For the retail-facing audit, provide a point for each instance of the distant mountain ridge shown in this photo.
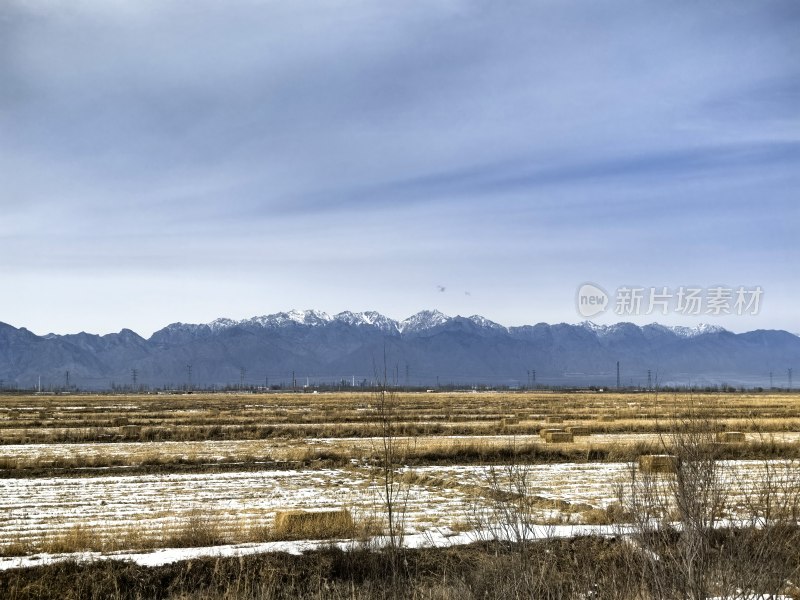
(421, 321)
(424, 349)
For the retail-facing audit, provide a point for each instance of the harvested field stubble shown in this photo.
(76, 418)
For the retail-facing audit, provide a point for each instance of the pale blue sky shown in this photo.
(185, 160)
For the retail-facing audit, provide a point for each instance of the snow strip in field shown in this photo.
(437, 538)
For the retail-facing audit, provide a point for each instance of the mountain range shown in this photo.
(428, 348)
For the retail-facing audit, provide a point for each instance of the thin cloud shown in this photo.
(539, 143)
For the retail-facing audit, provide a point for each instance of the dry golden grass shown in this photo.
(275, 428)
(260, 416)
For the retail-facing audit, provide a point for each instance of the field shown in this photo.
(91, 477)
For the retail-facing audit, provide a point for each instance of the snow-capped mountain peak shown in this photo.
(425, 319)
(700, 329)
(368, 318)
(221, 323)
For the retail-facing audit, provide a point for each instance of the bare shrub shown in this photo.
(694, 541)
(196, 530)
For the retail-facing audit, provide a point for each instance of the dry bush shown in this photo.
(614, 513)
(197, 529)
(686, 548)
(78, 538)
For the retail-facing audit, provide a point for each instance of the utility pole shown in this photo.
(294, 382)
(649, 381)
(770, 380)
(533, 377)
(790, 379)
(617, 374)
(529, 378)
(242, 371)
(189, 377)
(134, 377)
(66, 378)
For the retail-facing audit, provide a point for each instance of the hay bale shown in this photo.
(558, 437)
(579, 431)
(543, 432)
(730, 437)
(313, 525)
(554, 419)
(131, 431)
(509, 421)
(607, 417)
(658, 463)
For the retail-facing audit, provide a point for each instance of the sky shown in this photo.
(184, 160)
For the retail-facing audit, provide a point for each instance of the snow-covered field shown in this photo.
(32, 509)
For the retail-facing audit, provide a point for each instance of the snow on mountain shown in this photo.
(484, 322)
(301, 317)
(369, 318)
(423, 320)
(594, 327)
(681, 331)
(222, 323)
(701, 329)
